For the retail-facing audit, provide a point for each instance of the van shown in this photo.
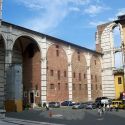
(118, 103)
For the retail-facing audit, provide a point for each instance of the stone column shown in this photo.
(69, 53)
(88, 57)
(43, 46)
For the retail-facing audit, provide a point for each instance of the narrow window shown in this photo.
(51, 72)
(119, 80)
(79, 76)
(91, 76)
(58, 74)
(74, 75)
(80, 86)
(84, 76)
(95, 62)
(78, 56)
(64, 73)
(95, 78)
(57, 52)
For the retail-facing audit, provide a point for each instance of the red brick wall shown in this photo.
(79, 66)
(57, 63)
(95, 67)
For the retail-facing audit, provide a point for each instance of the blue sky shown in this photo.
(71, 20)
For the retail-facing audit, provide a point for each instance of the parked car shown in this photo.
(78, 106)
(118, 103)
(90, 105)
(54, 104)
(67, 103)
(102, 100)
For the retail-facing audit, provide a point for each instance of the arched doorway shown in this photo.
(26, 73)
(2, 71)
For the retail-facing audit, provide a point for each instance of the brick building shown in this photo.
(37, 68)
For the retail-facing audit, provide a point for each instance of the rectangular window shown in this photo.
(84, 76)
(58, 74)
(51, 72)
(51, 86)
(80, 86)
(79, 76)
(57, 52)
(91, 76)
(119, 80)
(74, 75)
(95, 62)
(95, 78)
(64, 73)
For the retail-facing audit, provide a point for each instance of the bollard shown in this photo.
(50, 114)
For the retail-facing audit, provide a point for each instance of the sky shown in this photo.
(74, 21)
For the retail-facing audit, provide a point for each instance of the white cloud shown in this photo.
(51, 12)
(120, 12)
(95, 9)
(96, 23)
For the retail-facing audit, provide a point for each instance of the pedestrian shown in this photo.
(100, 111)
(47, 106)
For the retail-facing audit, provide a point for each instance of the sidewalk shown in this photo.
(13, 121)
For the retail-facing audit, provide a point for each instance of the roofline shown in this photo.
(48, 36)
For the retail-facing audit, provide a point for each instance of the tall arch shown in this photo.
(96, 80)
(57, 74)
(26, 71)
(79, 76)
(2, 71)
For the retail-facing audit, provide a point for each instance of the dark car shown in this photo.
(54, 104)
(67, 103)
(79, 106)
(90, 105)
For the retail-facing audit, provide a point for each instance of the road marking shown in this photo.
(100, 119)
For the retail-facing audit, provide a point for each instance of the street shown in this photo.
(68, 116)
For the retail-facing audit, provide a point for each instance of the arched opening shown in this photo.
(2, 71)
(96, 82)
(118, 64)
(57, 74)
(79, 77)
(25, 71)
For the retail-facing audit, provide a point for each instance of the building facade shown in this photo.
(37, 68)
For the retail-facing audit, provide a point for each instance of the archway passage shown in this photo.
(2, 71)
(26, 71)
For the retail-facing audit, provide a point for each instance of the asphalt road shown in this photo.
(68, 116)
